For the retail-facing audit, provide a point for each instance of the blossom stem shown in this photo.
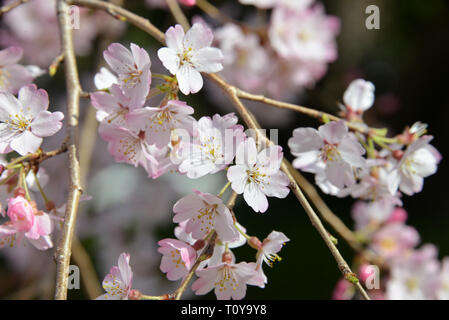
(145, 297)
(44, 196)
(247, 237)
(24, 183)
(223, 190)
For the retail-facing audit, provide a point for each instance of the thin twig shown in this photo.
(63, 250)
(11, 6)
(176, 11)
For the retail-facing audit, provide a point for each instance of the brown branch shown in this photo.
(176, 11)
(63, 250)
(11, 6)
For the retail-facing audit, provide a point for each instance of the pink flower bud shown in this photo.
(188, 3)
(364, 272)
(227, 257)
(255, 243)
(398, 215)
(21, 213)
(134, 294)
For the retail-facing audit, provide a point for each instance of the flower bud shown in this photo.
(227, 257)
(21, 213)
(19, 192)
(255, 243)
(134, 295)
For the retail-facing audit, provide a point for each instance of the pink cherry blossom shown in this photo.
(178, 257)
(228, 279)
(331, 147)
(415, 277)
(126, 145)
(306, 35)
(25, 121)
(186, 55)
(158, 123)
(12, 75)
(214, 146)
(419, 161)
(133, 70)
(113, 107)
(204, 213)
(26, 222)
(258, 175)
(394, 240)
(118, 282)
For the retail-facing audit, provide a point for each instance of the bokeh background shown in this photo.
(407, 60)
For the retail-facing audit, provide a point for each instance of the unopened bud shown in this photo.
(49, 205)
(255, 243)
(134, 294)
(227, 257)
(198, 245)
(19, 192)
(398, 154)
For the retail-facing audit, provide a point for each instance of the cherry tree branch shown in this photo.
(11, 6)
(176, 11)
(63, 250)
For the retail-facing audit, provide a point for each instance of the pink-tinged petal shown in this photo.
(306, 159)
(174, 38)
(43, 243)
(104, 101)
(333, 132)
(10, 56)
(224, 225)
(188, 3)
(16, 76)
(140, 56)
(119, 58)
(270, 159)
(360, 95)
(169, 59)
(274, 242)
(351, 151)
(206, 280)
(188, 255)
(42, 227)
(9, 106)
(255, 198)
(246, 153)
(6, 136)
(187, 207)
(138, 92)
(47, 123)
(305, 140)
(189, 79)
(394, 179)
(33, 100)
(208, 60)
(237, 176)
(198, 37)
(26, 143)
(125, 269)
(277, 185)
(104, 79)
(340, 174)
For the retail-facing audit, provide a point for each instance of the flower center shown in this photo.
(18, 122)
(227, 280)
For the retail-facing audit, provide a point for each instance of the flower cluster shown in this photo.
(377, 170)
(291, 55)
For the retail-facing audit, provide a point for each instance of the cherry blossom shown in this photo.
(419, 161)
(158, 123)
(25, 121)
(26, 221)
(331, 147)
(178, 257)
(414, 277)
(113, 107)
(204, 213)
(214, 146)
(118, 282)
(228, 279)
(186, 55)
(307, 35)
(258, 175)
(133, 69)
(12, 75)
(104, 79)
(126, 146)
(394, 240)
